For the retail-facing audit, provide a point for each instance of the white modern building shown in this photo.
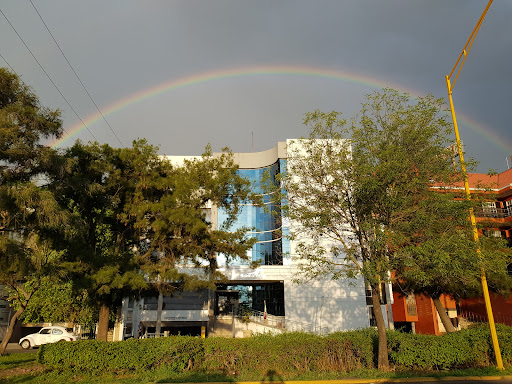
(267, 293)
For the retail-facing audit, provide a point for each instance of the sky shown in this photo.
(242, 74)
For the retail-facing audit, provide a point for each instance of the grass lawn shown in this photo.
(23, 368)
(15, 360)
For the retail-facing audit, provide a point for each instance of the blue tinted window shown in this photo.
(264, 223)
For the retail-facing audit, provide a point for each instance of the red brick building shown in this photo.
(496, 216)
(418, 314)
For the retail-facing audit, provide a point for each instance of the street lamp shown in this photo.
(463, 55)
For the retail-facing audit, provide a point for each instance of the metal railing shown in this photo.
(497, 213)
(477, 318)
(278, 322)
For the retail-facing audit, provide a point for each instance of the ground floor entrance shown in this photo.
(257, 296)
(147, 329)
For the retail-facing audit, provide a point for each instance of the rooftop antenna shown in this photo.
(252, 141)
(508, 166)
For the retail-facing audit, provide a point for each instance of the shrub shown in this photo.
(348, 351)
(179, 353)
(291, 353)
(288, 354)
(467, 348)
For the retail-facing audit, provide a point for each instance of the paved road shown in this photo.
(15, 348)
(458, 380)
(426, 380)
(430, 380)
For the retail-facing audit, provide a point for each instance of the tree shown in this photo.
(94, 183)
(171, 213)
(28, 211)
(179, 240)
(350, 187)
(139, 220)
(437, 255)
(59, 301)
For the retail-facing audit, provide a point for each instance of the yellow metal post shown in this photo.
(487, 299)
(463, 55)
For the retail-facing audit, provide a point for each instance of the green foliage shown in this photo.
(93, 184)
(169, 211)
(358, 185)
(436, 253)
(24, 123)
(29, 213)
(58, 302)
(111, 217)
(464, 349)
(177, 353)
(14, 360)
(137, 218)
(352, 189)
(288, 354)
(361, 345)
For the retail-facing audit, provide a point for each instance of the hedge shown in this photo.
(464, 349)
(178, 353)
(289, 353)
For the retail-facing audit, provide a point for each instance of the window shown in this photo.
(491, 233)
(489, 208)
(264, 221)
(45, 331)
(371, 316)
(508, 208)
(57, 332)
(410, 304)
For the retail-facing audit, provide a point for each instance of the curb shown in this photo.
(370, 381)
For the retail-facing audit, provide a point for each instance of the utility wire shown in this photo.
(83, 86)
(6, 62)
(46, 73)
(19, 77)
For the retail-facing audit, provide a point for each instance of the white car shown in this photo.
(47, 335)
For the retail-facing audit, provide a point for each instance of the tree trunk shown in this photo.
(445, 319)
(103, 322)
(10, 329)
(158, 328)
(383, 361)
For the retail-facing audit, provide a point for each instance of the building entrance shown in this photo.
(226, 301)
(253, 296)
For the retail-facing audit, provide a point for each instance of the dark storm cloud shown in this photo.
(122, 47)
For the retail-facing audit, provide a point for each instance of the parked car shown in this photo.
(47, 335)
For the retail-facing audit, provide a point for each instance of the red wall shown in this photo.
(501, 308)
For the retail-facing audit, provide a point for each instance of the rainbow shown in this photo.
(204, 77)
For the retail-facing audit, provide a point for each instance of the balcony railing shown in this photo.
(279, 322)
(497, 213)
(477, 318)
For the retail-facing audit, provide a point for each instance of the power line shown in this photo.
(83, 86)
(49, 78)
(19, 77)
(6, 62)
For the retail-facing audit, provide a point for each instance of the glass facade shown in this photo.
(264, 223)
(253, 296)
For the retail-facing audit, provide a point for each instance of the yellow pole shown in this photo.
(487, 299)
